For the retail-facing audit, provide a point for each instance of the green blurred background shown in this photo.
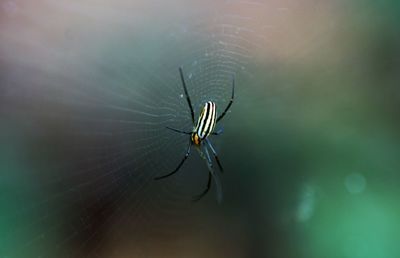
(311, 149)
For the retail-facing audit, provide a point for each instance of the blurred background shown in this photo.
(310, 148)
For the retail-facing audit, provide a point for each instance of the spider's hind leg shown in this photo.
(177, 131)
(220, 131)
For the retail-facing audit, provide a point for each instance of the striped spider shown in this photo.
(199, 137)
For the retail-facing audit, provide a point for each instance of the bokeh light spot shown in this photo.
(355, 183)
(305, 208)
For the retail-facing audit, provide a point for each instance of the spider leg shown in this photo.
(178, 131)
(198, 197)
(220, 131)
(186, 93)
(215, 154)
(230, 102)
(215, 176)
(180, 164)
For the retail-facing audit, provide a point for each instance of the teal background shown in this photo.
(310, 150)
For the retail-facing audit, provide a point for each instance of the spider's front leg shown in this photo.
(214, 175)
(180, 164)
(215, 154)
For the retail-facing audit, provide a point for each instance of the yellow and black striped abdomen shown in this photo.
(206, 123)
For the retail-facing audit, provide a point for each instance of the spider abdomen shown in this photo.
(206, 123)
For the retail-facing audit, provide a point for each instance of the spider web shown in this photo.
(91, 94)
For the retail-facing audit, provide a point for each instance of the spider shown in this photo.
(199, 137)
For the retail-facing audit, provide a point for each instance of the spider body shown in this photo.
(205, 124)
(199, 137)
